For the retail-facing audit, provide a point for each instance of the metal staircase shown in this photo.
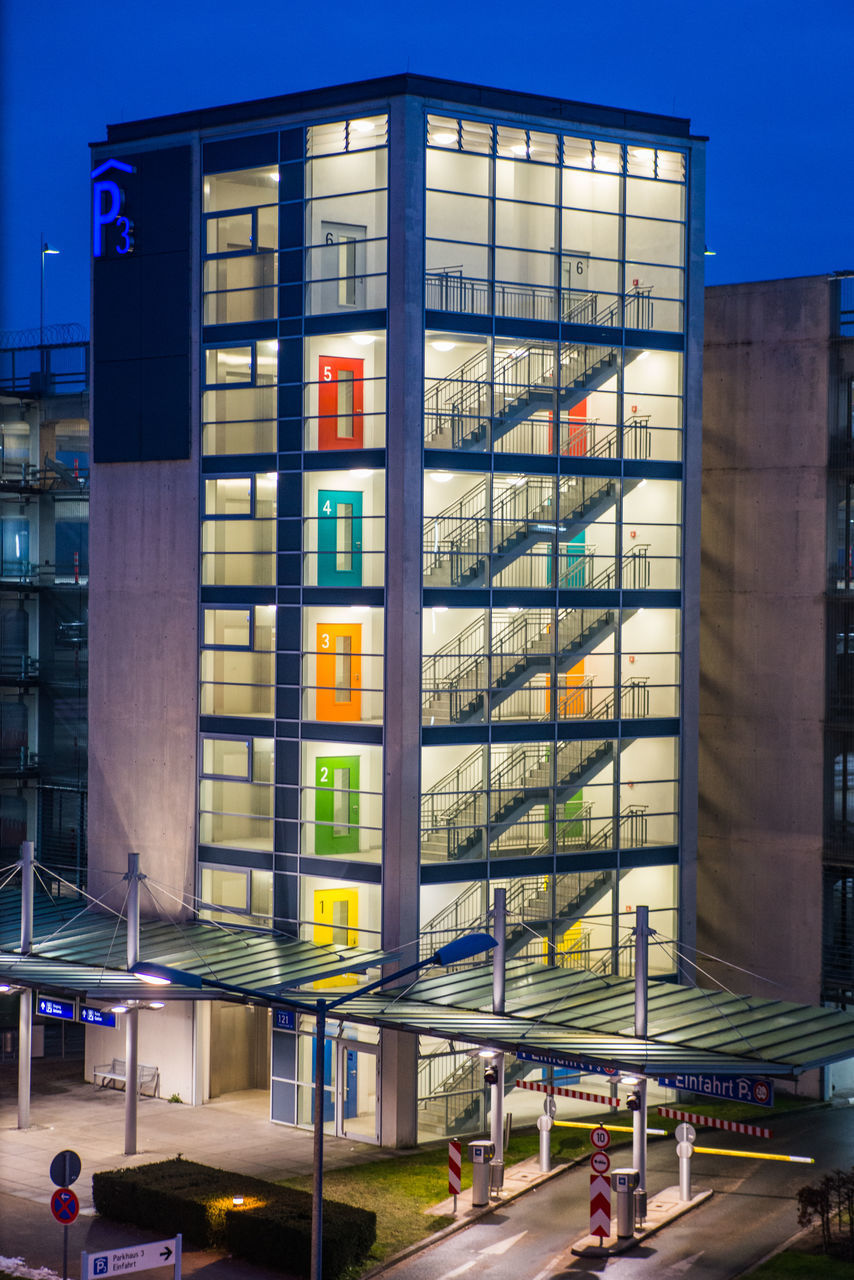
(468, 676)
(457, 541)
(458, 811)
(450, 1085)
(459, 409)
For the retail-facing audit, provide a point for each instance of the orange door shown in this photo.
(339, 671)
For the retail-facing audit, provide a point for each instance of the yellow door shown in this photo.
(336, 921)
(339, 671)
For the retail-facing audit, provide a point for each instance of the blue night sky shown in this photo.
(768, 82)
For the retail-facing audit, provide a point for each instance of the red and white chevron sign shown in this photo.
(604, 1099)
(712, 1122)
(600, 1205)
(455, 1165)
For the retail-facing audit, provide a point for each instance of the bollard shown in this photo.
(544, 1124)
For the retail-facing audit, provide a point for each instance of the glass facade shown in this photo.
(544, 559)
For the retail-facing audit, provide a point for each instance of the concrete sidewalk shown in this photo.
(234, 1132)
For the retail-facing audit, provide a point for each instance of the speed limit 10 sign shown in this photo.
(600, 1138)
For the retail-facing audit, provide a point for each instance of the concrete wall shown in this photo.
(143, 677)
(165, 1042)
(764, 545)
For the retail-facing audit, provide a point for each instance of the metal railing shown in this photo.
(19, 667)
(458, 539)
(456, 817)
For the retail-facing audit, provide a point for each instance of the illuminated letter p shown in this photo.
(100, 215)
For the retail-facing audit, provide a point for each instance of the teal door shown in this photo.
(339, 538)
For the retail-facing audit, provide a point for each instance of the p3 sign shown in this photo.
(112, 229)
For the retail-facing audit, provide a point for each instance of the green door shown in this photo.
(339, 538)
(336, 806)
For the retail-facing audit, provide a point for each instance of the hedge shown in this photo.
(273, 1225)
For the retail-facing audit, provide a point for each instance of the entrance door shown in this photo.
(339, 538)
(357, 1088)
(336, 921)
(340, 398)
(339, 671)
(336, 813)
(343, 266)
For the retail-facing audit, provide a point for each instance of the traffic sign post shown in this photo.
(136, 1257)
(65, 1207)
(65, 1168)
(600, 1137)
(455, 1170)
(600, 1185)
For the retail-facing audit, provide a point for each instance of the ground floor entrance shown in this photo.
(351, 1079)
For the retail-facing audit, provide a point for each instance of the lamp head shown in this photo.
(160, 975)
(471, 944)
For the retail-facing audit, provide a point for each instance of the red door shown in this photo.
(340, 402)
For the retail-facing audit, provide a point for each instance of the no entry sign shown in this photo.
(64, 1206)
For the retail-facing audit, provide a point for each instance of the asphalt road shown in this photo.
(752, 1211)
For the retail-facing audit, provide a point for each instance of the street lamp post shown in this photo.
(464, 948)
(45, 249)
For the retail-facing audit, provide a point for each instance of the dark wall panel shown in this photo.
(141, 368)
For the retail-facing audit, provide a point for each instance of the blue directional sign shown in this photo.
(55, 1008)
(97, 1017)
(752, 1089)
(560, 1060)
(284, 1019)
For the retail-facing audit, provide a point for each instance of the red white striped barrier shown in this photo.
(455, 1166)
(604, 1099)
(600, 1205)
(711, 1122)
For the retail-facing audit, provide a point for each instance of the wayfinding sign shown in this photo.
(136, 1257)
(751, 1089)
(55, 1008)
(562, 1060)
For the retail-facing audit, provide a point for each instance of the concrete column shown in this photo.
(691, 501)
(404, 502)
(25, 1008)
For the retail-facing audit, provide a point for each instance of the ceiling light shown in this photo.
(4, 987)
(156, 1004)
(629, 1080)
(361, 473)
(362, 126)
(362, 339)
(441, 477)
(519, 149)
(486, 1053)
(444, 139)
(118, 1008)
(442, 345)
(440, 608)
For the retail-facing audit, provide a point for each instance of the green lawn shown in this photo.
(807, 1266)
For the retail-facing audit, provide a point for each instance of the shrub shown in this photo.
(174, 1196)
